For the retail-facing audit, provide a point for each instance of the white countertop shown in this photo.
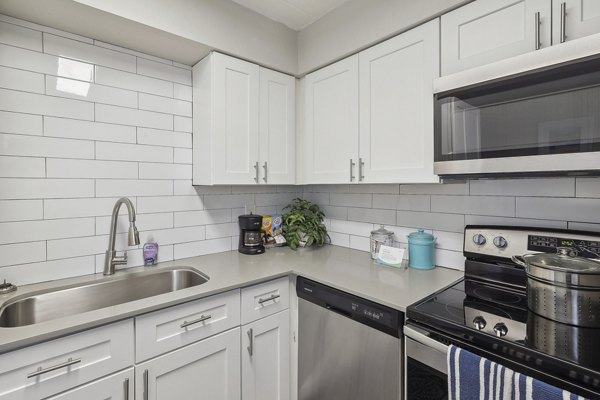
(345, 269)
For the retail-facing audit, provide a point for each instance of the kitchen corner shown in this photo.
(351, 271)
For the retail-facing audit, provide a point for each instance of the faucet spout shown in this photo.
(133, 237)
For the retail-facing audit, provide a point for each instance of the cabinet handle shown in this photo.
(265, 167)
(538, 21)
(251, 338)
(146, 384)
(126, 385)
(563, 22)
(271, 298)
(256, 172)
(352, 164)
(361, 165)
(201, 319)
(41, 371)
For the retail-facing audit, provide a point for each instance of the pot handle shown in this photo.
(519, 260)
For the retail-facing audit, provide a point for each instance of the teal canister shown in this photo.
(421, 250)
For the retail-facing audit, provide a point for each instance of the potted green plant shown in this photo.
(303, 224)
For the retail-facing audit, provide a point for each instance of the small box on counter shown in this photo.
(272, 227)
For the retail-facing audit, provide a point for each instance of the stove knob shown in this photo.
(500, 242)
(479, 323)
(479, 239)
(500, 329)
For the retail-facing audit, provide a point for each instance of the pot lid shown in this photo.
(382, 231)
(421, 235)
(566, 260)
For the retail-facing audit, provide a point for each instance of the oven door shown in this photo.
(426, 369)
(537, 123)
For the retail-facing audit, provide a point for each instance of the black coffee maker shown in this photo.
(250, 237)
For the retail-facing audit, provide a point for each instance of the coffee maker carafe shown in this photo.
(250, 237)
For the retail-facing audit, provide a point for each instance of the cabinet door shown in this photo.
(277, 128)
(485, 31)
(235, 120)
(331, 131)
(115, 387)
(580, 18)
(266, 358)
(396, 107)
(209, 369)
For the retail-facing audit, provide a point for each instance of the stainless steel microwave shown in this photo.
(536, 123)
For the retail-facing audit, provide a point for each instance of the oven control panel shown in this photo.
(577, 247)
(505, 242)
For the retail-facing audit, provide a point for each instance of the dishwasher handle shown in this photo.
(338, 311)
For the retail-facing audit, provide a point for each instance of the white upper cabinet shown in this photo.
(485, 31)
(396, 107)
(277, 126)
(331, 127)
(573, 19)
(228, 98)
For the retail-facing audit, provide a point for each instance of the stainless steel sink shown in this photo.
(48, 305)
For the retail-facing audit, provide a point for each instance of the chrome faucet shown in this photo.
(133, 237)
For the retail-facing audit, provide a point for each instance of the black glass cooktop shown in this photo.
(496, 320)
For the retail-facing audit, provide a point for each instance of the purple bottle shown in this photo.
(150, 252)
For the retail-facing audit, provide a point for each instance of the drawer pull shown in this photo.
(201, 319)
(271, 298)
(41, 371)
(250, 347)
(145, 389)
(126, 387)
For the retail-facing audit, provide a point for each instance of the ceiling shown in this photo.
(296, 14)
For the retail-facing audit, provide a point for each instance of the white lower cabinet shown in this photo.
(209, 369)
(266, 358)
(114, 387)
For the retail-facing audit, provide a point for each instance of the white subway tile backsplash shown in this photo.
(127, 80)
(478, 205)
(191, 218)
(182, 124)
(448, 240)
(588, 187)
(182, 156)
(339, 239)
(48, 270)
(17, 79)
(144, 222)
(30, 231)
(274, 199)
(130, 187)
(228, 201)
(359, 243)
(364, 200)
(75, 247)
(34, 61)
(25, 124)
(552, 187)
(336, 212)
(76, 129)
(32, 103)
(176, 235)
(569, 209)
(133, 152)
(194, 249)
(73, 89)
(160, 137)
(436, 188)
(19, 36)
(165, 171)
(86, 52)
(222, 230)
(450, 259)
(21, 210)
(39, 146)
(435, 221)
(183, 92)
(42, 28)
(64, 168)
(402, 202)
(12, 188)
(372, 215)
(169, 203)
(73, 208)
(162, 71)
(166, 105)
(22, 167)
(375, 188)
(130, 116)
(22, 253)
(351, 227)
(129, 51)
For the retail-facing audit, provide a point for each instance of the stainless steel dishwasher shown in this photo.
(349, 348)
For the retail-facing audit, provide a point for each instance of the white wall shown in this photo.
(83, 123)
(358, 24)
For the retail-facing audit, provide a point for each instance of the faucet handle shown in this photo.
(120, 260)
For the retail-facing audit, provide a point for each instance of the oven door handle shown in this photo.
(419, 336)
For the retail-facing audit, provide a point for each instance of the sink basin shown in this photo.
(61, 302)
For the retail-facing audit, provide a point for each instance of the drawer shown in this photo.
(264, 299)
(48, 368)
(165, 330)
(114, 387)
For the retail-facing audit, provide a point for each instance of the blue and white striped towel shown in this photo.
(471, 377)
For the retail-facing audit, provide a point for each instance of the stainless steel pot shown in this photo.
(563, 287)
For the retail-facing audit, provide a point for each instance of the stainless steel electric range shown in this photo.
(487, 314)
